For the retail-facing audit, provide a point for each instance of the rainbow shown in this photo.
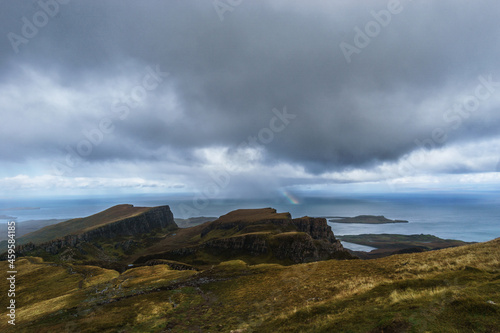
(293, 200)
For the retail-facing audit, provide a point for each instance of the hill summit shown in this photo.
(86, 238)
(81, 225)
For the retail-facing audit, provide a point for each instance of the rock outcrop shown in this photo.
(259, 235)
(153, 219)
(253, 244)
(262, 232)
(317, 228)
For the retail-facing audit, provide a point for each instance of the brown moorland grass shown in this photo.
(450, 290)
(253, 215)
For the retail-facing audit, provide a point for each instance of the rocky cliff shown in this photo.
(264, 233)
(257, 235)
(317, 228)
(153, 219)
(256, 220)
(291, 247)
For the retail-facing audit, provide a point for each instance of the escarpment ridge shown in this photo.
(257, 235)
(117, 221)
(125, 235)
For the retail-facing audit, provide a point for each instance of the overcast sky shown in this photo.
(248, 98)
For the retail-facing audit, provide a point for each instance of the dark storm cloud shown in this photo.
(226, 76)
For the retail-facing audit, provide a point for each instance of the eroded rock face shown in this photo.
(301, 248)
(262, 233)
(156, 218)
(317, 228)
(288, 240)
(253, 244)
(300, 240)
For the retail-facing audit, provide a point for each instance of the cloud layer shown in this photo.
(174, 92)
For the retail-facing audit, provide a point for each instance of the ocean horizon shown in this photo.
(472, 218)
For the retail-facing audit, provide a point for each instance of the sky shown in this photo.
(239, 98)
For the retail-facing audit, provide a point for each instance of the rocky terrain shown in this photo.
(260, 234)
(126, 235)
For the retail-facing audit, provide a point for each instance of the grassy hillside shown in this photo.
(387, 244)
(396, 241)
(79, 225)
(450, 290)
(193, 221)
(25, 227)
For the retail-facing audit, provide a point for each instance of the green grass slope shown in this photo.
(396, 241)
(25, 227)
(388, 244)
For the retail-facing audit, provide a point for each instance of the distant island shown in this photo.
(20, 208)
(366, 219)
(389, 244)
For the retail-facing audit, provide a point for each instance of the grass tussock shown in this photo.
(411, 295)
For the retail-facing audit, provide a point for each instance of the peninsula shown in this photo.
(366, 219)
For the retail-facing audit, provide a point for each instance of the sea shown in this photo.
(471, 217)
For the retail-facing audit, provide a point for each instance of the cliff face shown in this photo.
(287, 240)
(260, 234)
(317, 228)
(295, 247)
(252, 244)
(83, 224)
(301, 247)
(155, 218)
